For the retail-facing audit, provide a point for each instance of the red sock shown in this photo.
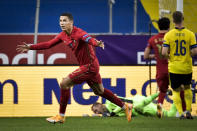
(183, 101)
(161, 97)
(107, 94)
(64, 97)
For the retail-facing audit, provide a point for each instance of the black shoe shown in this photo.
(189, 116)
(182, 117)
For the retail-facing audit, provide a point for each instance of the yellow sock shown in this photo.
(177, 101)
(188, 99)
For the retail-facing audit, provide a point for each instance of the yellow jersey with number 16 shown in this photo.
(180, 42)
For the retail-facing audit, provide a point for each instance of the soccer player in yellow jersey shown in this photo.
(179, 45)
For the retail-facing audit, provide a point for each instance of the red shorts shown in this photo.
(162, 81)
(87, 74)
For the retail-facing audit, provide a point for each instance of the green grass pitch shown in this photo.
(98, 124)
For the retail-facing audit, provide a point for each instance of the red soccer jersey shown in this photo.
(155, 43)
(79, 41)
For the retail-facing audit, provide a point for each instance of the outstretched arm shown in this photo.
(100, 43)
(23, 48)
(92, 41)
(40, 46)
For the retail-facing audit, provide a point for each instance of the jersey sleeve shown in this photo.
(117, 109)
(46, 45)
(108, 106)
(166, 42)
(193, 41)
(149, 45)
(87, 38)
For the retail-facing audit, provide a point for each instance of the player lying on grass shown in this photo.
(141, 106)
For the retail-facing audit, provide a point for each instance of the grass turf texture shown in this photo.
(98, 124)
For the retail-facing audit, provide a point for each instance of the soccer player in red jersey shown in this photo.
(162, 75)
(82, 45)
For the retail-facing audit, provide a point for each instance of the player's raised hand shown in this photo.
(23, 47)
(100, 44)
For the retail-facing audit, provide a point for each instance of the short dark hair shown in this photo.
(69, 15)
(177, 17)
(164, 23)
